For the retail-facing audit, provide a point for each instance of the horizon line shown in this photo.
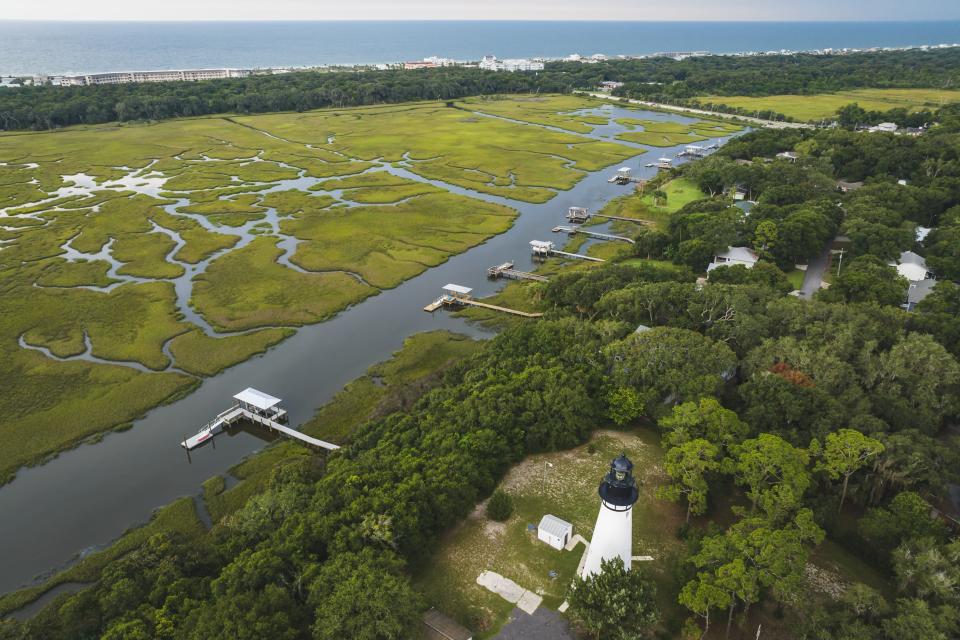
(441, 20)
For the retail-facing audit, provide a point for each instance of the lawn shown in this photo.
(795, 277)
(825, 105)
(679, 191)
(567, 489)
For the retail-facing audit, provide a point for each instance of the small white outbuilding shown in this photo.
(554, 531)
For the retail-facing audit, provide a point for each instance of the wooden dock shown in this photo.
(636, 220)
(290, 433)
(452, 301)
(578, 256)
(592, 234)
(256, 407)
(545, 249)
(516, 312)
(506, 270)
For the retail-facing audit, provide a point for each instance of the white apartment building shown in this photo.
(125, 77)
(491, 63)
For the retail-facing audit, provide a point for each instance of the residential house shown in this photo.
(912, 266)
(847, 187)
(734, 256)
(918, 291)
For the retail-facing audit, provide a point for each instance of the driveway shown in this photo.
(814, 274)
(544, 624)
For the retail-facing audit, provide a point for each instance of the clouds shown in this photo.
(484, 10)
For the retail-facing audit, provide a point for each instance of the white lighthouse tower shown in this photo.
(613, 533)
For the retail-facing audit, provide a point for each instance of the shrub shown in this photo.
(500, 506)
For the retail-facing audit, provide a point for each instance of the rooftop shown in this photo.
(739, 254)
(258, 399)
(456, 288)
(555, 526)
(919, 290)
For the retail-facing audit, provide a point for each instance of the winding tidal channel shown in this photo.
(86, 497)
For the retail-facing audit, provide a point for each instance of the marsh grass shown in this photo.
(197, 353)
(825, 105)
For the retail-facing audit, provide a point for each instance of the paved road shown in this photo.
(814, 275)
(544, 624)
(772, 124)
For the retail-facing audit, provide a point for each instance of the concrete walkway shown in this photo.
(510, 591)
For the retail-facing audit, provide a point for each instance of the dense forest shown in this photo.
(833, 417)
(803, 74)
(659, 79)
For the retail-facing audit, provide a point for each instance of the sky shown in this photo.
(482, 10)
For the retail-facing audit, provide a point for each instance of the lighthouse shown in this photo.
(613, 533)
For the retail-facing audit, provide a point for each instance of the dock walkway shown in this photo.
(625, 219)
(506, 270)
(235, 413)
(290, 433)
(592, 234)
(455, 302)
(515, 312)
(578, 256)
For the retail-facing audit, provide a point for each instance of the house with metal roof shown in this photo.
(917, 291)
(733, 256)
(912, 266)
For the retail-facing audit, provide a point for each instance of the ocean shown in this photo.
(88, 47)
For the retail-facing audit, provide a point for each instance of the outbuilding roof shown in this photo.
(258, 399)
(555, 526)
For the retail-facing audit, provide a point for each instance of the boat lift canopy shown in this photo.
(257, 399)
(457, 289)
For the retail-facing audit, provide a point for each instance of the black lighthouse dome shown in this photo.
(619, 488)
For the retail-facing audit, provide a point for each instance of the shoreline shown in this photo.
(386, 63)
